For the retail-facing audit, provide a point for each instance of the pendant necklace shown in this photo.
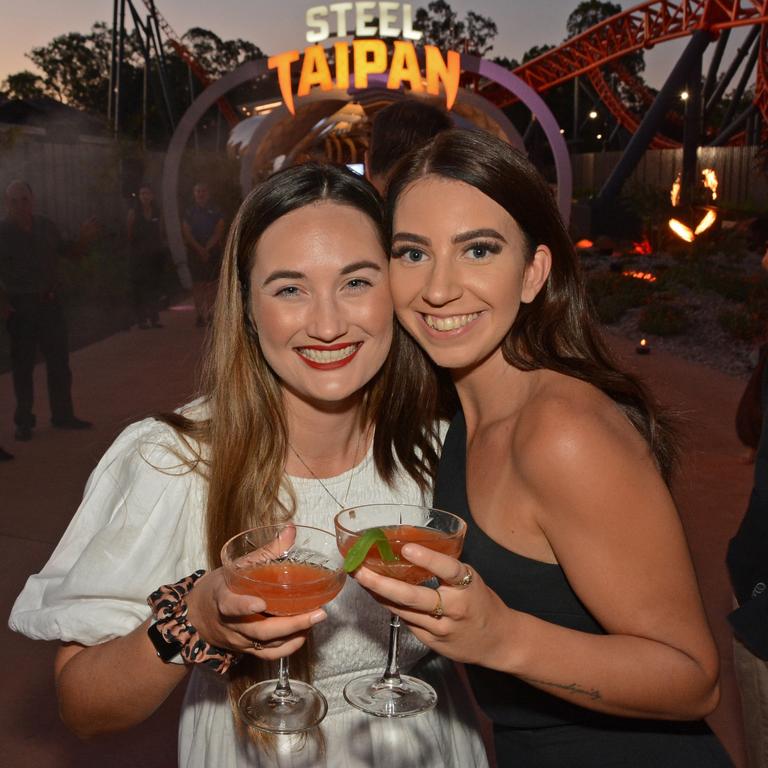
(324, 486)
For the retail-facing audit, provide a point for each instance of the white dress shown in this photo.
(139, 527)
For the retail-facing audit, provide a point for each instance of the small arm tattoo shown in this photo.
(592, 693)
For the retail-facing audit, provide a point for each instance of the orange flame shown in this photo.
(710, 217)
(681, 230)
(674, 193)
(647, 276)
(710, 181)
(584, 244)
(642, 248)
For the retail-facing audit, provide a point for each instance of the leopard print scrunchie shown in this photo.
(170, 608)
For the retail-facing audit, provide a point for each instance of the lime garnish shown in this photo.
(358, 551)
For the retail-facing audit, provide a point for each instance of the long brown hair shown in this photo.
(240, 446)
(557, 329)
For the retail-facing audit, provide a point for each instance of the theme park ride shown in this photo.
(600, 49)
(325, 96)
(149, 37)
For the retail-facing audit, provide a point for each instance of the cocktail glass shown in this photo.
(294, 569)
(393, 694)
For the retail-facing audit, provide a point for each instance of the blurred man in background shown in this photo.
(30, 249)
(203, 230)
(396, 130)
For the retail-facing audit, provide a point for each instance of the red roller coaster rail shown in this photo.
(635, 29)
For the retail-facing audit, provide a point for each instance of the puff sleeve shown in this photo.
(140, 525)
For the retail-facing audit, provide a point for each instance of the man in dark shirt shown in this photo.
(30, 248)
(203, 231)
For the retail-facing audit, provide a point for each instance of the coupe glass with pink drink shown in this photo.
(294, 569)
(393, 694)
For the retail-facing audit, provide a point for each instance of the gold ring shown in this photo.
(437, 611)
(258, 645)
(466, 579)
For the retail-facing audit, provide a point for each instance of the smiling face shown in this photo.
(459, 270)
(320, 302)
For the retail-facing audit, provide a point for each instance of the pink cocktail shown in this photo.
(294, 569)
(395, 525)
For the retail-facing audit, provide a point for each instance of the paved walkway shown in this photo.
(132, 374)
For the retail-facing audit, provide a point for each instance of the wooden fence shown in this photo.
(741, 182)
(75, 181)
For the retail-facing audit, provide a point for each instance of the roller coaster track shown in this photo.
(635, 29)
(616, 107)
(191, 61)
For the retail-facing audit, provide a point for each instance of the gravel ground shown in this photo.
(704, 341)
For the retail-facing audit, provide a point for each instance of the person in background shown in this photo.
(747, 561)
(30, 249)
(203, 231)
(145, 238)
(749, 411)
(396, 130)
(4, 309)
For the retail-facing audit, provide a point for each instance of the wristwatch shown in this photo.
(168, 651)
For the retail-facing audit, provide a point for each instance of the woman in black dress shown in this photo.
(576, 606)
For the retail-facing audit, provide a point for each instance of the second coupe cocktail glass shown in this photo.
(392, 694)
(294, 569)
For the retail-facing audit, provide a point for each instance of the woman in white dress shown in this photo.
(304, 361)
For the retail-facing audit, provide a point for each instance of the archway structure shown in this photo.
(254, 69)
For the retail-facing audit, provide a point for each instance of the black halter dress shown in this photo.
(533, 729)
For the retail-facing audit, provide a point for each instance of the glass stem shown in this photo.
(392, 672)
(283, 690)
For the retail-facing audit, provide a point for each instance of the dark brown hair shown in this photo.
(557, 329)
(401, 127)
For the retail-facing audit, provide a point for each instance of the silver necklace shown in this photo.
(324, 486)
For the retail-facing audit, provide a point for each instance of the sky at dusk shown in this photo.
(278, 26)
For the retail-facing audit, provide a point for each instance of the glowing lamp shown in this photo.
(643, 348)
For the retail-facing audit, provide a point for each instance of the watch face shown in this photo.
(165, 650)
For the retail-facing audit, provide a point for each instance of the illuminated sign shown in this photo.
(369, 57)
(390, 23)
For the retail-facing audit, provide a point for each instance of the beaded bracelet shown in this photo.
(169, 607)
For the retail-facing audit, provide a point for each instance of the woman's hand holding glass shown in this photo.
(459, 620)
(374, 535)
(237, 622)
(295, 569)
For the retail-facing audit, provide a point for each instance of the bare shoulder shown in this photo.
(573, 427)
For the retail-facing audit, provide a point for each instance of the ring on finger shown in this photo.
(466, 579)
(259, 646)
(437, 611)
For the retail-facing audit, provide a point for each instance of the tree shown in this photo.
(480, 31)
(24, 85)
(589, 13)
(217, 56)
(535, 52)
(75, 67)
(443, 28)
(75, 71)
